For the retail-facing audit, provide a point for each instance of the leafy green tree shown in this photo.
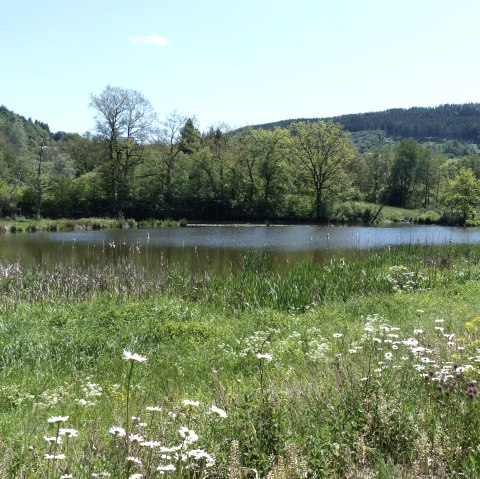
(219, 142)
(249, 152)
(125, 120)
(86, 152)
(17, 135)
(376, 172)
(404, 174)
(463, 195)
(430, 176)
(273, 171)
(322, 153)
(169, 159)
(190, 138)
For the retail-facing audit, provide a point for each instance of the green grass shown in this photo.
(45, 224)
(344, 395)
(389, 214)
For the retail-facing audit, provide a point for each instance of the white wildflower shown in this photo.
(55, 419)
(218, 411)
(200, 454)
(68, 432)
(133, 357)
(84, 402)
(54, 457)
(135, 438)
(266, 356)
(53, 439)
(189, 435)
(154, 408)
(117, 431)
(170, 449)
(151, 444)
(166, 468)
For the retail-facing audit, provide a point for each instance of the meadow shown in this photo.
(365, 366)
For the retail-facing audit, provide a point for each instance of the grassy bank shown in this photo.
(358, 368)
(44, 224)
(358, 212)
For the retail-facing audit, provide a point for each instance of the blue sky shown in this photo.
(243, 62)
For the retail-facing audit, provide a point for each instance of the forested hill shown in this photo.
(17, 131)
(445, 122)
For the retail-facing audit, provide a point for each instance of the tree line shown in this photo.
(137, 167)
(454, 122)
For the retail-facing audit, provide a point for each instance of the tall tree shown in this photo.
(125, 120)
(463, 195)
(190, 137)
(322, 152)
(404, 175)
(377, 169)
(168, 151)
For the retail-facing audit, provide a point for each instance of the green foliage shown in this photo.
(249, 174)
(403, 173)
(463, 196)
(322, 153)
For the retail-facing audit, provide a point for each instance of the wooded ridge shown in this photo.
(445, 122)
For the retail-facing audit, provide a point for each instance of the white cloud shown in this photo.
(155, 40)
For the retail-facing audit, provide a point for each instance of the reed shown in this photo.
(256, 283)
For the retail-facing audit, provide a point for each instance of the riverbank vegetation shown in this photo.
(349, 212)
(19, 225)
(365, 366)
(134, 166)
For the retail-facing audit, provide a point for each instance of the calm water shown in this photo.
(218, 248)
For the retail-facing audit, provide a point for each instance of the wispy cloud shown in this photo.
(155, 40)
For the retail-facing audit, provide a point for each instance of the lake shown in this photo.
(216, 248)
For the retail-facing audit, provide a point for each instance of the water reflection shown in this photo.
(215, 248)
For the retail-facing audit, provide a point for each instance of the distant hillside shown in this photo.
(445, 122)
(17, 131)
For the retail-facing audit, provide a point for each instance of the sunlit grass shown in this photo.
(21, 225)
(250, 374)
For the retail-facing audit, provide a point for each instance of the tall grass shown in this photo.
(255, 283)
(363, 367)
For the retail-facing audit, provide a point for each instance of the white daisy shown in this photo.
(133, 357)
(266, 356)
(55, 419)
(117, 431)
(218, 411)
